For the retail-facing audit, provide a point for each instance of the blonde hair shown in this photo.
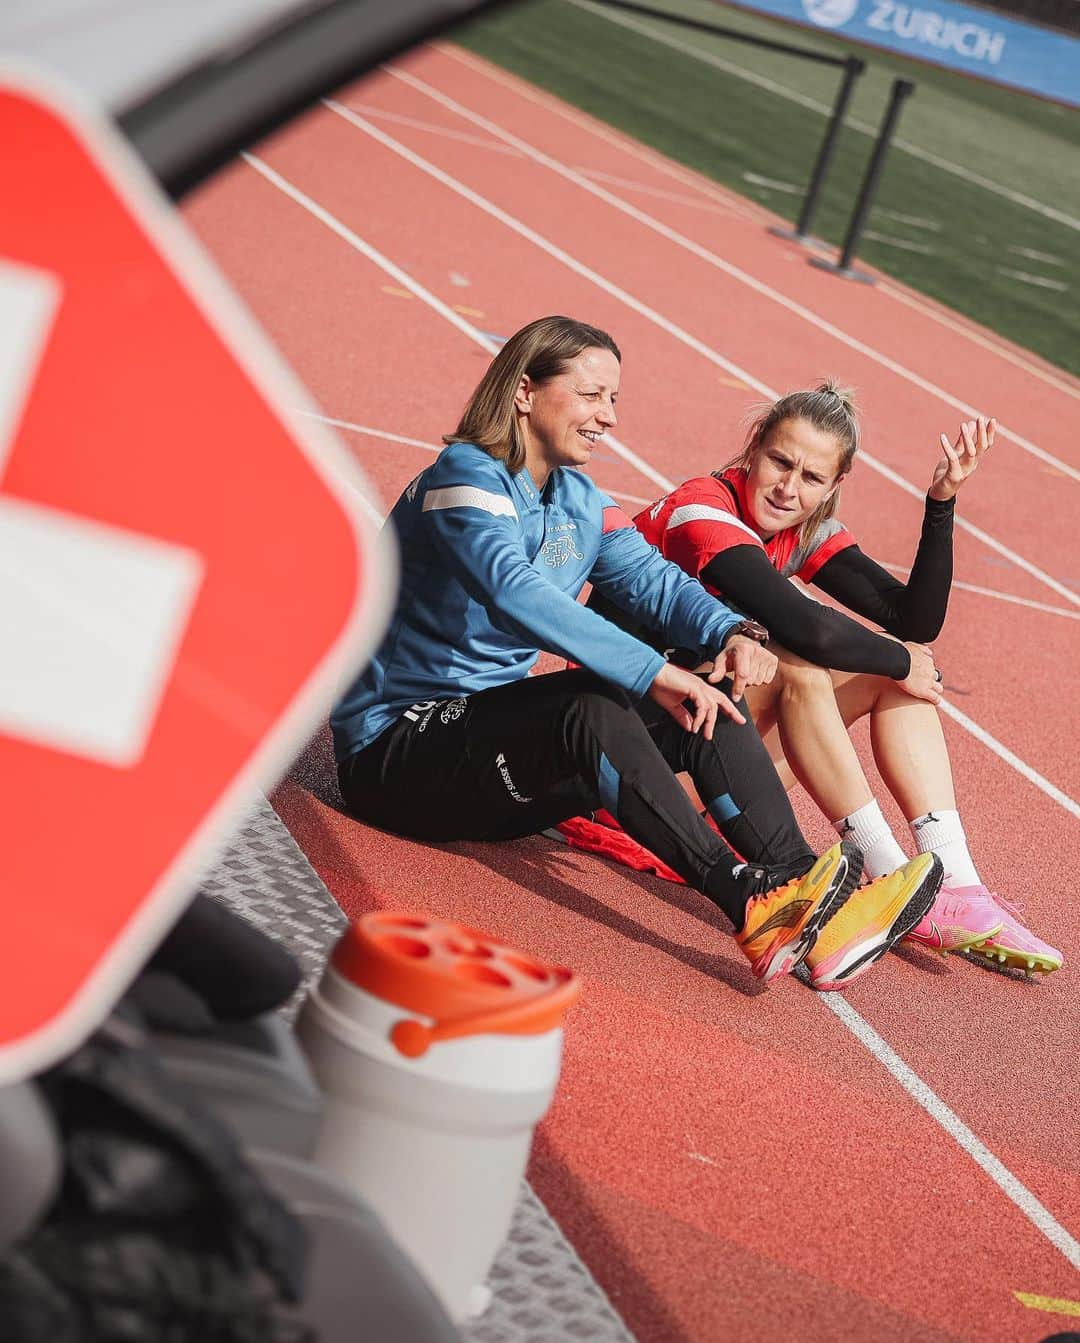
(830, 408)
(541, 351)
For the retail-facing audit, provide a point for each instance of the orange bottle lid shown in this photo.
(466, 981)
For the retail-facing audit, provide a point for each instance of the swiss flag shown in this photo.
(186, 574)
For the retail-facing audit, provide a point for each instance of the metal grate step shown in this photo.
(542, 1292)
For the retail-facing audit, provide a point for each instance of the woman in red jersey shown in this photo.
(768, 516)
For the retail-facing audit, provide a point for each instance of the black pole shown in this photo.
(901, 89)
(853, 68)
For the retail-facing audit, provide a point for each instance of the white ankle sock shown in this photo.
(942, 832)
(870, 831)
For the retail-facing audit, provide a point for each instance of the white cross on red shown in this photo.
(91, 615)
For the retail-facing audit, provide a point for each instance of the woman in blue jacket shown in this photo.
(446, 736)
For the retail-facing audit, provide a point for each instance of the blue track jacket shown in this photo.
(490, 572)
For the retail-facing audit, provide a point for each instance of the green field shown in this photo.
(753, 119)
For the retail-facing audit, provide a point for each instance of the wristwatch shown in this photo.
(749, 629)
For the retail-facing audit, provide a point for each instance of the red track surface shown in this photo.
(730, 1163)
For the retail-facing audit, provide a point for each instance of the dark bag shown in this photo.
(162, 1232)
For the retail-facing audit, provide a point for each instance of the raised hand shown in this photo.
(975, 439)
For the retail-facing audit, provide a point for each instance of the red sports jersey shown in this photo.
(708, 514)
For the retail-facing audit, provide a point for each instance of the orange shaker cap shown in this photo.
(469, 983)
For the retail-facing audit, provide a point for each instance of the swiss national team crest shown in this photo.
(561, 548)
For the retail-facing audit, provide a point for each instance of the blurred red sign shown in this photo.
(183, 576)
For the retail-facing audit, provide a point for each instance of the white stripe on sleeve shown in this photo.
(469, 496)
(704, 513)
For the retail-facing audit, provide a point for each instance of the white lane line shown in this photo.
(366, 429)
(711, 258)
(1037, 1213)
(463, 137)
(407, 282)
(373, 254)
(389, 437)
(993, 592)
(989, 541)
(707, 58)
(679, 199)
(750, 209)
(601, 130)
(435, 303)
(1028, 1204)
(980, 734)
(984, 341)
(670, 327)
(438, 447)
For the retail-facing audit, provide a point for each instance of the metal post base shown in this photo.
(803, 239)
(845, 272)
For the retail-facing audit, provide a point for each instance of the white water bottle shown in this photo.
(438, 1050)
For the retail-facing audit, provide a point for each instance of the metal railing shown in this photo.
(852, 66)
(902, 89)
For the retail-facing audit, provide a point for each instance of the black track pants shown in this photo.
(516, 759)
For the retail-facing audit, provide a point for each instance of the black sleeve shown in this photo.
(817, 633)
(914, 610)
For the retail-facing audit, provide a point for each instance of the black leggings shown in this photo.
(514, 760)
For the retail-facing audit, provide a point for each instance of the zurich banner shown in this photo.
(975, 41)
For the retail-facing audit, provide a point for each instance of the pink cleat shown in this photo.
(960, 919)
(1015, 945)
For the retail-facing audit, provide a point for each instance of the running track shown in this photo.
(730, 1163)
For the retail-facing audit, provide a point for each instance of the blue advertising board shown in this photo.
(962, 37)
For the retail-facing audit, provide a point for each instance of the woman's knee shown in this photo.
(798, 679)
(861, 693)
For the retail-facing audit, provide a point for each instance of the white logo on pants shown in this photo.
(500, 764)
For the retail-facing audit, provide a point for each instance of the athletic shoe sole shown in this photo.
(867, 955)
(1010, 958)
(824, 903)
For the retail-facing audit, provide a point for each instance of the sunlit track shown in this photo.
(672, 329)
(1032, 1210)
(1031, 1206)
(718, 195)
(1051, 790)
(713, 192)
(1006, 1181)
(711, 258)
(443, 309)
(1055, 380)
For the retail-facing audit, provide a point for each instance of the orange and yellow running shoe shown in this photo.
(872, 920)
(784, 913)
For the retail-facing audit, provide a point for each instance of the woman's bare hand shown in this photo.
(923, 681)
(973, 442)
(692, 702)
(747, 663)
